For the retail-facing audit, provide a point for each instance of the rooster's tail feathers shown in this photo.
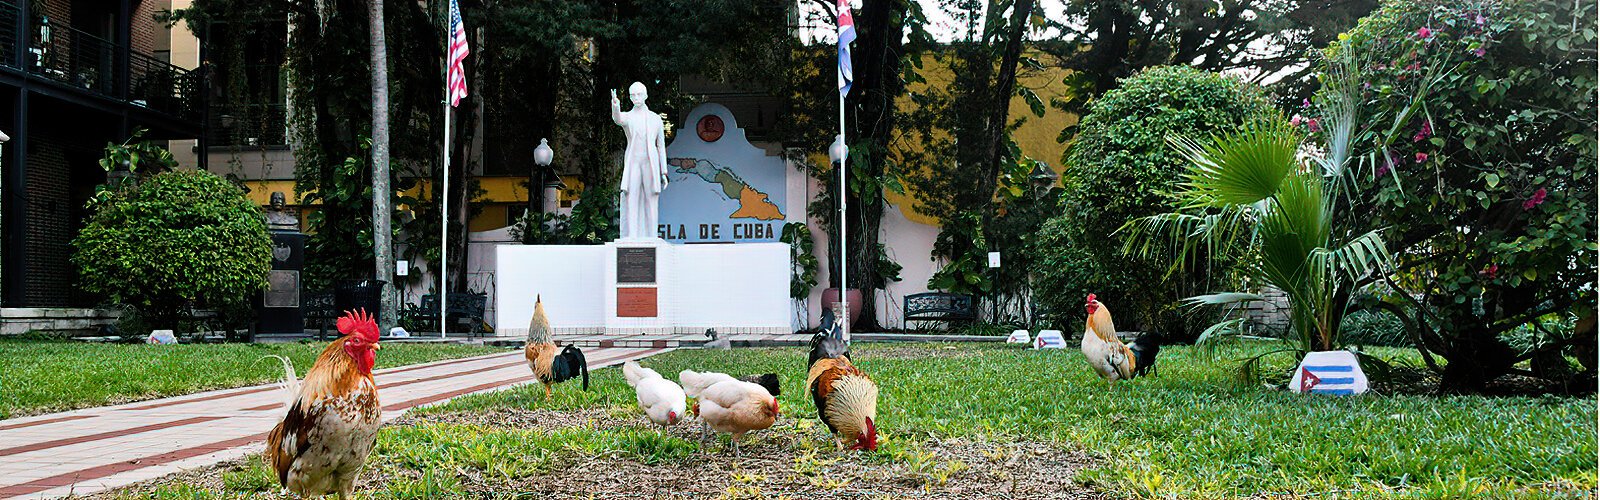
(291, 386)
(583, 363)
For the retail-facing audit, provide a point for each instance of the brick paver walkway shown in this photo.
(86, 451)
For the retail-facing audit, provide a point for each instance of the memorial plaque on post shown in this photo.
(636, 265)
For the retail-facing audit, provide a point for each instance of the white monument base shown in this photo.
(742, 288)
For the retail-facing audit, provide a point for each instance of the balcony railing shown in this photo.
(98, 66)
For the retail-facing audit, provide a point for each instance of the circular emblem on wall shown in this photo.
(709, 128)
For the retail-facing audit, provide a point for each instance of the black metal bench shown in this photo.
(318, 308)
(936, 306)
(464, 311)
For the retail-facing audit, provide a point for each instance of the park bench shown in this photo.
(318, 309)
(938, 306)
(464, 311)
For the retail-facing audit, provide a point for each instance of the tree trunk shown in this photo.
(1475, 359)
(1000, 101)
(383, 251)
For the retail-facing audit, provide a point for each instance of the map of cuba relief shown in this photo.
(721, 188)
(754, 216)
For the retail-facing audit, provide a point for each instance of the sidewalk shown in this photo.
(90, 450)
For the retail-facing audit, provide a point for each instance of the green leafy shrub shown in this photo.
(1373, 328)
(1490, 196)
(1119, 168)
(174, 239)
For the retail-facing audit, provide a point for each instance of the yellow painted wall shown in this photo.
(502, 195)
(1036, 137)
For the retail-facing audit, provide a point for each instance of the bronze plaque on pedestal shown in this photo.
(636, 302)
(636, 265)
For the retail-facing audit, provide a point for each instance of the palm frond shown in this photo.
(1240, 168)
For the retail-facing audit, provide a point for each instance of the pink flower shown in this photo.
(1295, 120)
(1424, 33)
(1478, 52)
(1479, 19)
(1305, 103)
(1427, 130)
(1383, 169)
(1538, 198)
(1490, 271)
(1366, 85)
(1414, 66)
(1312, 124)
(1422, 157)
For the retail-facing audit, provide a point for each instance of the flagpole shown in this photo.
(444, 191)
(844, 247)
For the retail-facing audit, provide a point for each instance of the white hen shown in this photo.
(696, 382)
(661, 399)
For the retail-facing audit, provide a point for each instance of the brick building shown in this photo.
(75, 75)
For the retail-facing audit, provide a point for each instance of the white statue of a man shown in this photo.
(644, 164)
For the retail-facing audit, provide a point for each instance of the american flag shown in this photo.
(456, 77)
(847, 34)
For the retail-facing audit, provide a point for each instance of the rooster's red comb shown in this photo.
(1091, 298)
(360, 324)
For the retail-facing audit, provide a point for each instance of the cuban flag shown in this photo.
(1329, 372)
(456, 76)
(847, 34)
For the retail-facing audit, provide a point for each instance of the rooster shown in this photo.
(1109, 357)
(322, 442)
(736, 407)
(548, 366)
(846, 398)
(661, 399)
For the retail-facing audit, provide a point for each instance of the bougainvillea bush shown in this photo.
(1488, 197)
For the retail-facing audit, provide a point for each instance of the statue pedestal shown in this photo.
(635, 279)
(645, 287)
(278, 307)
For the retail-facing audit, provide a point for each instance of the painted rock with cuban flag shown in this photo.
(1329, 372)
(1050, 339)
(1018, 337)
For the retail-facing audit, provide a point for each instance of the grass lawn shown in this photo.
(39, 376)
(978, 421)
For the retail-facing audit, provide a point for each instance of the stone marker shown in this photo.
(1018, 337)
(1329, 372)
(1049, 339)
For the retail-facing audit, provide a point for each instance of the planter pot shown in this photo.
(853, 296)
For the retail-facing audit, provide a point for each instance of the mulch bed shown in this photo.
(783, 462)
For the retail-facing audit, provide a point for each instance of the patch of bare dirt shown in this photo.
(794, 459)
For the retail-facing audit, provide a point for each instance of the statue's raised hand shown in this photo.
(616, 104)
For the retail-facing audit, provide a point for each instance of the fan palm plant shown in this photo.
(1288, 203)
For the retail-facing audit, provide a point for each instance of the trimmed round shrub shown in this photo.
(1119, 168)
(174, 238)
(1489, 195)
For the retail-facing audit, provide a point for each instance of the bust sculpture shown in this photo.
(280, 217)
(644, 164)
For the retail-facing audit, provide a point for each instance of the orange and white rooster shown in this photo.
(333, 417)
(1107, 354)
(846, 398)
(549, 366)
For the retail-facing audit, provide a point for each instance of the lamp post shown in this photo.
(1043, 177)
(542, 156)
(838, 153)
